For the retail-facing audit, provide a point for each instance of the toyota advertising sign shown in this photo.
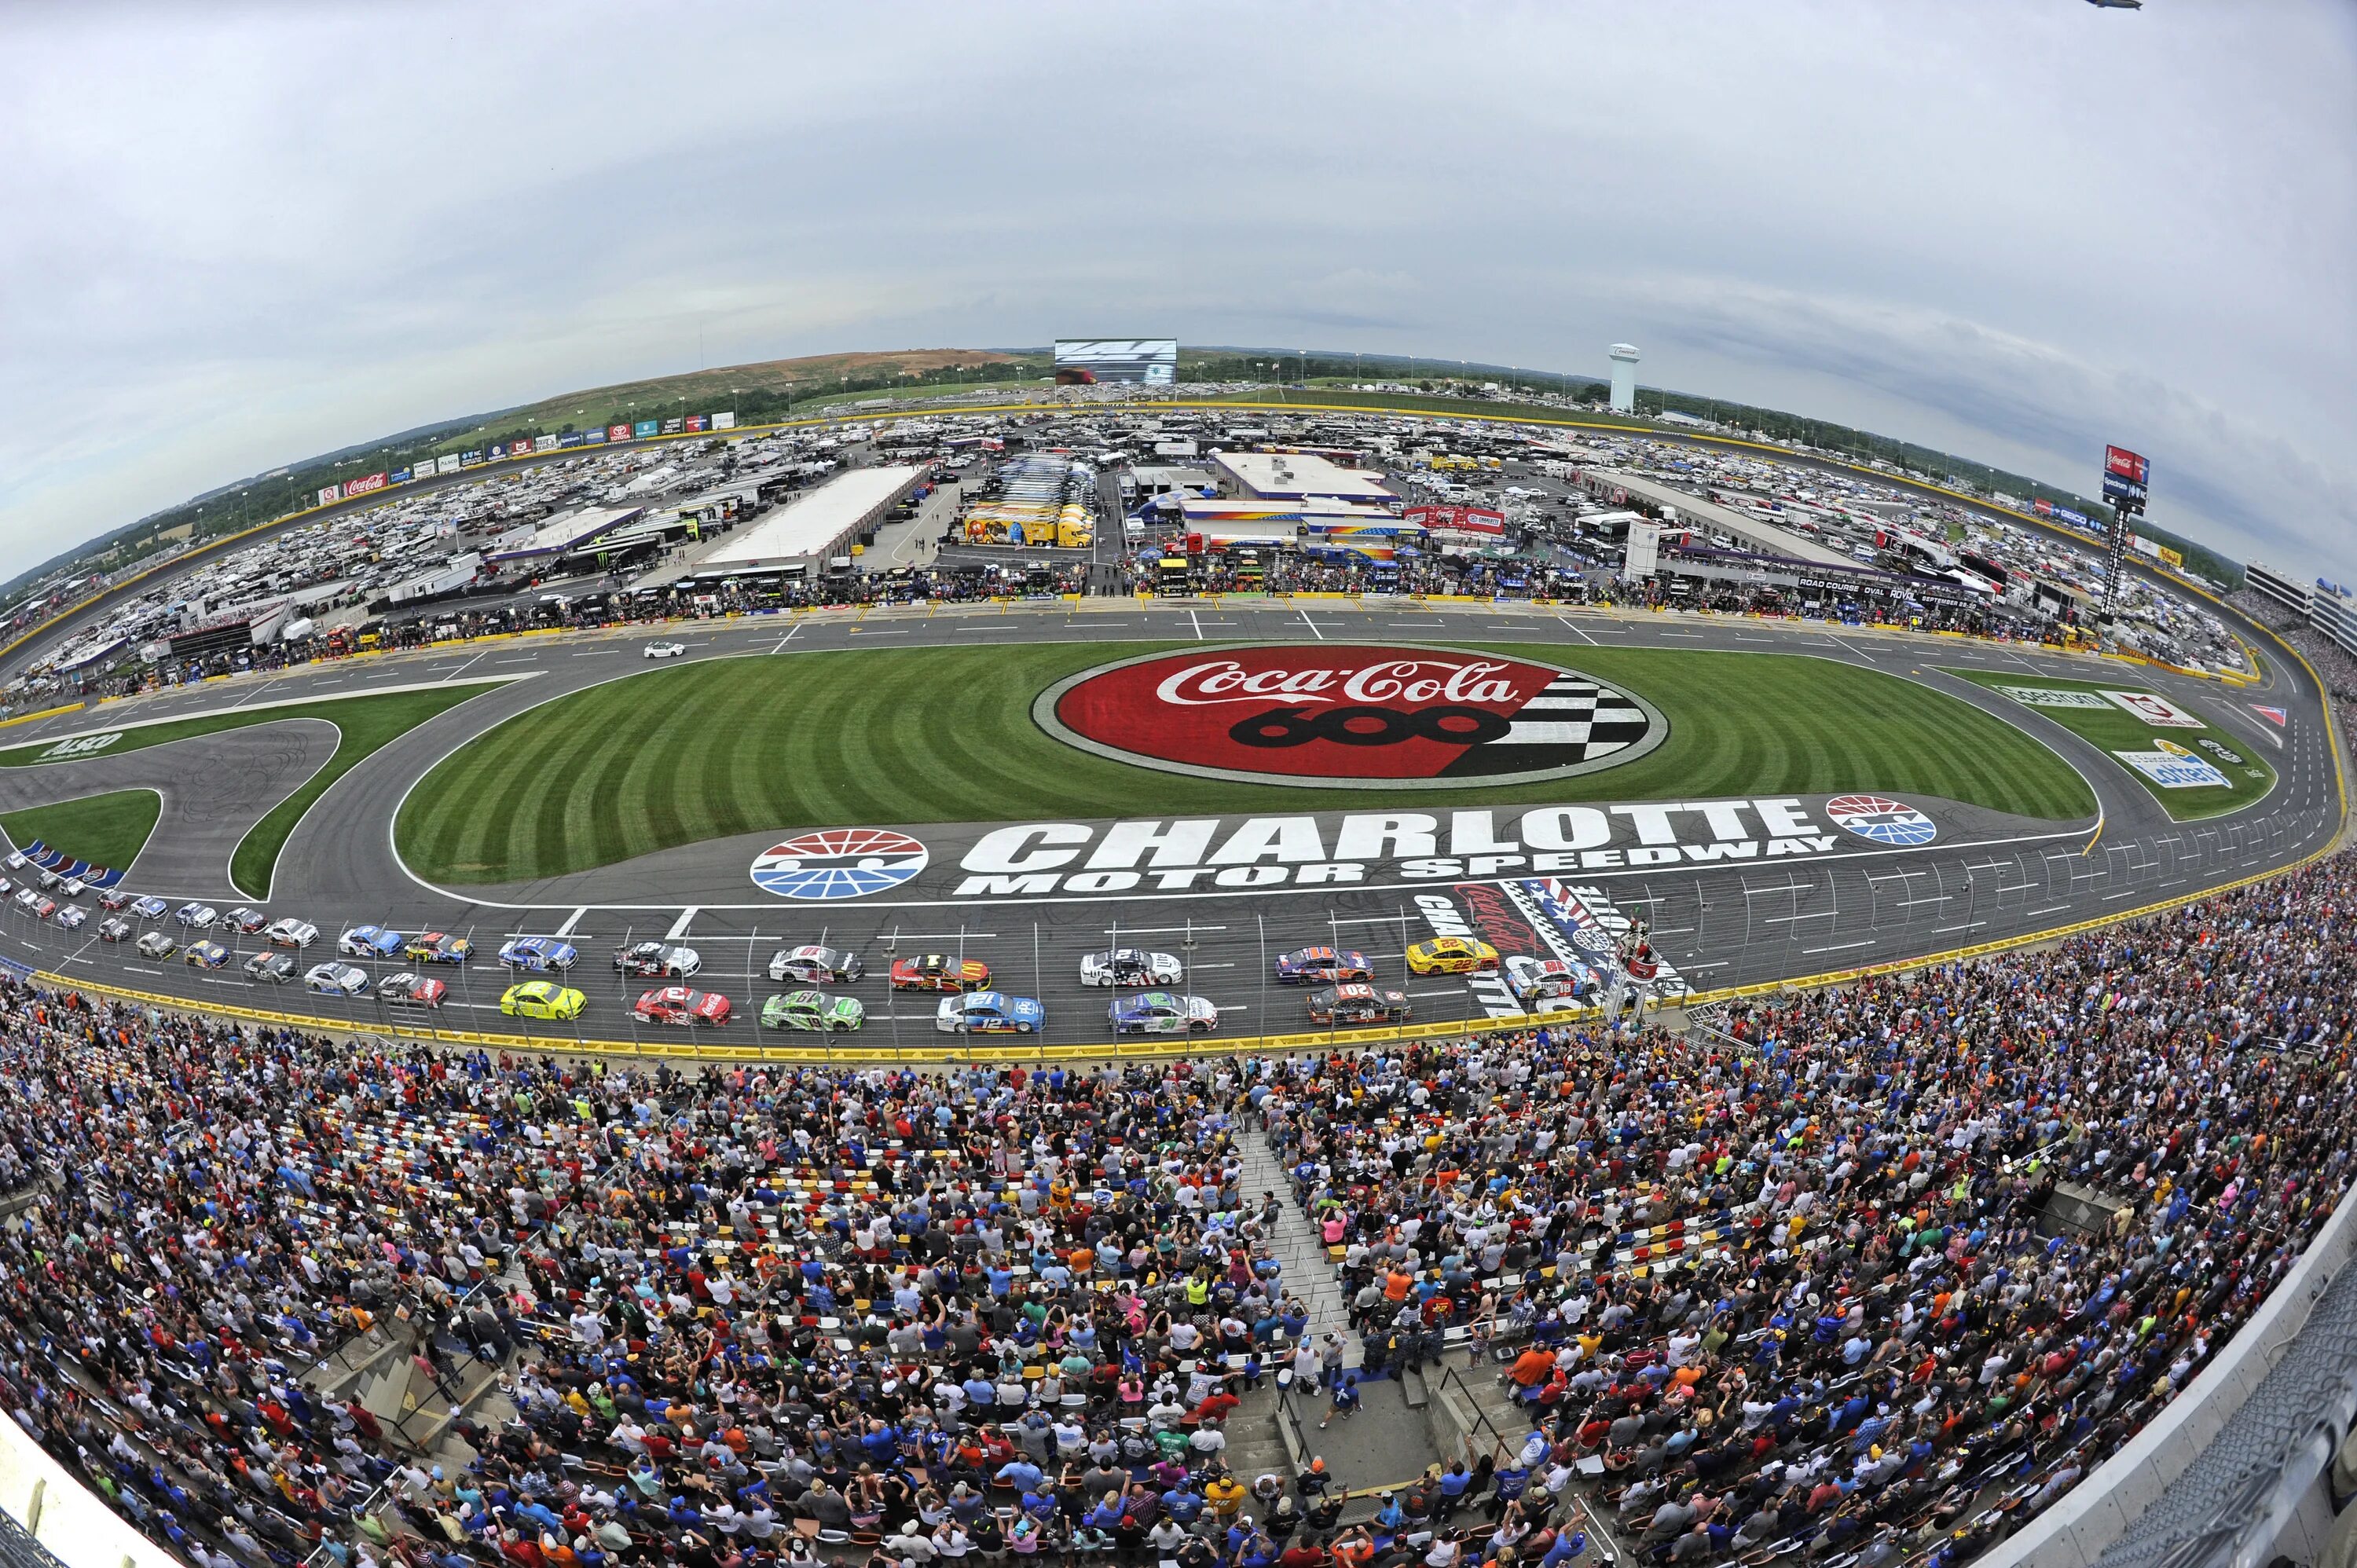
(617, 433)
(1459, 518)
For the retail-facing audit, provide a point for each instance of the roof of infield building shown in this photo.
(569, 529)
(1296, 476)
(816, 524)
(1693, 508)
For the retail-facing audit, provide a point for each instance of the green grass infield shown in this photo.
(107, 830)
(2114, 729)
(705, 750)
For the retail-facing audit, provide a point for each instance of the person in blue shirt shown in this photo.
(1020, 1474)
(1568, 1544)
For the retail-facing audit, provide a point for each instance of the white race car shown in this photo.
(1130, 966)
(665, 649)
(338, 980)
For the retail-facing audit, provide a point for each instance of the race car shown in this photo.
(937, 971)
(409, 990)
(113, 899)
(1163, 1013)
(71, 916)
(658, 958)
(49, 878)
(1130, 966)
(1540, 983)
(541, 999)
(114, 928)
(433, 947)
(195, 917)
(277, 968)
(291, 932)
(1351, 1005)
(539, 954)
(16, 860)
(813, 1010)
(1322, 966)
(665, 649)
(815, 965)
(155, 944)
(337, 979)
(148, 908)
(27, 896)
(245, 921)
(678, 1005)
(368, 941)
(1452, 955)
(989, 1012)
(42, 907)
(73, 887)
(205, 955)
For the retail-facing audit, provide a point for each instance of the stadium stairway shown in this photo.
(1309, 1269)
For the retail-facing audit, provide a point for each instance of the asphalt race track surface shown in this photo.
(1984, 878)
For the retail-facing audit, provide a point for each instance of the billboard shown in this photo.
(2172, 559)
(364, 485)
(448, 462)
(617, 433)
(672, 427)
(644, 428)
(329, 495)
(475, 458)
(594, 438)
(2075, 519)
(1459, 518)
(2042, 507)
(694, 423)
(1085, 361)
(546, 443)
(2121, 463)
(726, 421)
(570, 439)
(398, 477)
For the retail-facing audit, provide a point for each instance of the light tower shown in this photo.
(1624, 378)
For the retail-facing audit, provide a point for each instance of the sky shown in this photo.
(2014, 229)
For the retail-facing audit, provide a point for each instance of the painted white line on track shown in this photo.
(1576, 631)
(1839, 946)
(1310, 624)
(679, 927)
(572, 920)
(1158, 930)
(1198, 624)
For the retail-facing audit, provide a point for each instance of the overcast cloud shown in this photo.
(2014, 228)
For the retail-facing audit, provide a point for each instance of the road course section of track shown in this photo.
(1718, 927)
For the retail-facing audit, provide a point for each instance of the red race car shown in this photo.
(936, 972)
(678, 1005)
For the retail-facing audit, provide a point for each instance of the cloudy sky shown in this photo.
(2014, 228)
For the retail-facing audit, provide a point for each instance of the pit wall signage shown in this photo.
(1210, 854)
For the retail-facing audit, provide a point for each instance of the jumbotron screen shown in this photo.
(1084, 361)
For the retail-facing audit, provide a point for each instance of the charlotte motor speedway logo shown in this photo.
(1346, 716)
(838, 863)
(1881, 821)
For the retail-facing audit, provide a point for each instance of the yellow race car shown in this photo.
(541, 999)
(1452, 955)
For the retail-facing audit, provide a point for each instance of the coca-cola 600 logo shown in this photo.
(1332, 713)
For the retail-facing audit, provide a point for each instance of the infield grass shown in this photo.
(108, 831)
(934, 735)
(2114, 729)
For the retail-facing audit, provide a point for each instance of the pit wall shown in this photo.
(67, 1518)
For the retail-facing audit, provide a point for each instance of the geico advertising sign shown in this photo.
(1205, 853)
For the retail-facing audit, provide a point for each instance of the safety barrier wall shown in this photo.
(66, 1517)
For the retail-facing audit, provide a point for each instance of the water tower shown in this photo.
(1624, 378)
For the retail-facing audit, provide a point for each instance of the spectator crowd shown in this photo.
(1797, 1281)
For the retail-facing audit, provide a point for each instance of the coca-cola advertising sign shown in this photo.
(1355, 716)
(1458, 519)
(364, 485)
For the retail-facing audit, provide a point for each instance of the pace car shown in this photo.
(540, 955)
(541, 999)
(665, 649)
(155, 944)
(205, 955)
(245, 921)
(410, 990)
(937, 971)
(291, 932)
(678, 1005)
(989, 1012)
(1452, 955)
(813, 1010)
(646, 959)
(433, 947)
(148, 908)
(1351, 1005)
(368, 941)
(114, 928)
(815, 965)
(277, 968)
(1540, 984)
(337, 979)
(1163, 1012)
(1130, 966)
(1322, 966)
(195, 917)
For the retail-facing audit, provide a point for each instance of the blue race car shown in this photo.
(370, 942)
(1322, 966)
(540, 955)
(989, 1012)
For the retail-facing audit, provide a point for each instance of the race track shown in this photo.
(1720, 925)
